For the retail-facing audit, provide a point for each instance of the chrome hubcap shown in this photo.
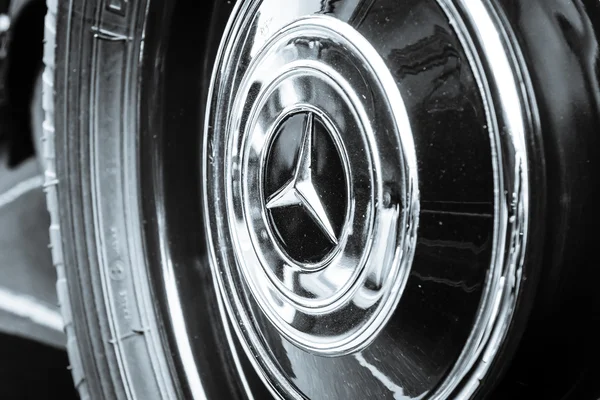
(325, 261)
(366, 219)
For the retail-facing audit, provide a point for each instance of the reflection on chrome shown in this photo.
(397, 390)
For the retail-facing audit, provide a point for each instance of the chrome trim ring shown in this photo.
(413, 325)
(504, 84)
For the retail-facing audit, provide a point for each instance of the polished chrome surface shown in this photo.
(322, 68)
(414, 291)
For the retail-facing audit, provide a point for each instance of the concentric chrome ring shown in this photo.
(319, 65)
(416, 294)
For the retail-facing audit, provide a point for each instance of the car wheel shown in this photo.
(303, 199)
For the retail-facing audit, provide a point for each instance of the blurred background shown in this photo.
(33, 362)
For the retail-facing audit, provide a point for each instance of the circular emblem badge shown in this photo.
(305, 188)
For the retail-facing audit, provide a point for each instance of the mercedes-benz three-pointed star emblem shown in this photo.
(301, 190)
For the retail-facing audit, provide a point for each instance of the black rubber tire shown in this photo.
(115, 344)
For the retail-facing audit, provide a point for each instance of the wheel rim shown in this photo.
(424, 91)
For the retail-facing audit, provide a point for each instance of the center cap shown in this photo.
(321, 194)
(306, 211)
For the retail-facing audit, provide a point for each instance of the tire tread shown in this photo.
(50, 188)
